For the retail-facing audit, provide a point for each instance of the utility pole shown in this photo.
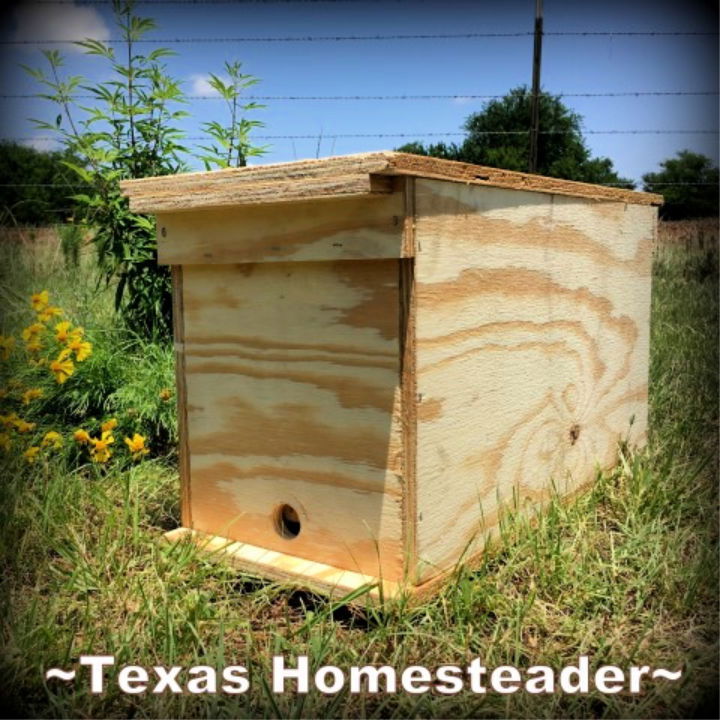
(535, 106)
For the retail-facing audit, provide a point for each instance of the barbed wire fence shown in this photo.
(375, 98)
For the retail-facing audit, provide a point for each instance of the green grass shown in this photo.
(627, 573)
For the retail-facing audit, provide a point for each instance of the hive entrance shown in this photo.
(287, 522)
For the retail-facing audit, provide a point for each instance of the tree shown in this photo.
(499, 136)
(35, 186)
(130, 131)
(689, 184)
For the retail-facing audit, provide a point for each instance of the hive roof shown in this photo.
(342, 176)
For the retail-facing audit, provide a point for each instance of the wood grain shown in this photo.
(181, 394)
(345, 229)
(365, 174)
(399, 348)
(532, 352)
(292, 375)
(315, 576)
(218, 190)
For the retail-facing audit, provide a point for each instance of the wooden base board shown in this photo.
(315, 576)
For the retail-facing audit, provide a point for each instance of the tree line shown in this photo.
(498, 136)
(34, 184)
(131, 130)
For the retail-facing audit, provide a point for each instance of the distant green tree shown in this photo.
(440, 150)
(499, 136)
(35, 186)
(689, 184)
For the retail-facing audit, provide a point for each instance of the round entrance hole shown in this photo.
(287, 522)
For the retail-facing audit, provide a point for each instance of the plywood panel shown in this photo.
(284, 567)
(356, 228)
(341, 176)
(218, 189)
(292, 381)
(532, 351)
(181, 396)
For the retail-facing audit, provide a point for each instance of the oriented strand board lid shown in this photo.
(348, 175)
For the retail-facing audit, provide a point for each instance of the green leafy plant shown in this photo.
(689, 184)
(131, 131)
(71, 240)
(35, 186)
(232, 146)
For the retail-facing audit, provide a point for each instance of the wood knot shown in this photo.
(574, 433)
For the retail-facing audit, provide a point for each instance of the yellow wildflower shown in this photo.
(165, 394)
(136, 445)
(34, 346)
(63, 367)
(9, 421)
(81, 436)
(39, 301)
(82, 349)
(5, 441)
(30, 454)
(108, 425)
(32, 331)
(23, 426)
(62, 331)
(7, 345)
(100, 452)
(77, 332)
(49, 313)
(32, 394)
(52, 439)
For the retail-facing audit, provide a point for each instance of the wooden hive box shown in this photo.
(376, 353)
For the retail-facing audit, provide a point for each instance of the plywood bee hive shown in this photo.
(377, 353)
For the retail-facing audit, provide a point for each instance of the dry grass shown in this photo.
(627, 574)
(689, 235)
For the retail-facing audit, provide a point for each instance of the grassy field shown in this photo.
(627, 574)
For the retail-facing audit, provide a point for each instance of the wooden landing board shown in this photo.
(362, 174)
(317, 577)
(532, 345)
(284, 567)
(293, 397)
(345, 229)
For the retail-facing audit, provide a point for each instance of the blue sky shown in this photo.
(474, 66)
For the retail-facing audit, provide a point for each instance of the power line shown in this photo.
(289, 38)
(666, 184)
(213, 2)
(314, 136)
(460, 96)
(629, 33)
(38, 185)
(640, 132)
(363, 38)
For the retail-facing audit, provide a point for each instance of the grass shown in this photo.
(627, 573)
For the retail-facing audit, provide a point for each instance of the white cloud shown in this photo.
(35, 21)
(200, 85)
(43, 143)
(462, 100)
